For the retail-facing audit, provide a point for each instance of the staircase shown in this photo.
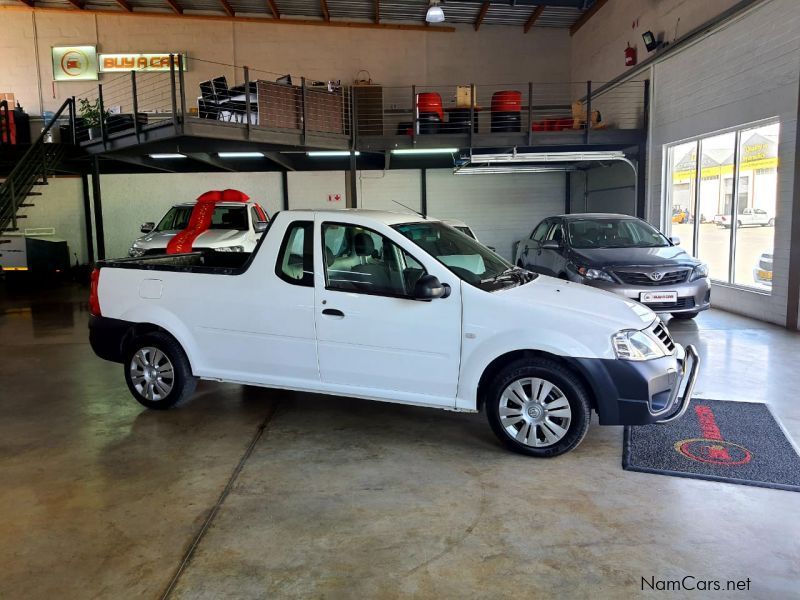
(19, 188)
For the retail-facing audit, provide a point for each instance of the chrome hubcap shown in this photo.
(152, 373)
(535, 412)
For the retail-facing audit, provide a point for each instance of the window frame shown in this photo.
(308, 279)
(362, 292)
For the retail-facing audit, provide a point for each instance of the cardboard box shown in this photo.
(463, 96)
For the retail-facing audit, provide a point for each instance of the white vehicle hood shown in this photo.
(213, 238)
(581, 300)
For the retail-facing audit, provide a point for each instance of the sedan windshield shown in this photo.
(224, 217)
(466, 258)
(614, 233)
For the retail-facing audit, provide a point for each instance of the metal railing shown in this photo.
(256, 99)
(31, 170)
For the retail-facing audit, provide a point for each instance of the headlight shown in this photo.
(630, 344)
(595, 274)
(230, 249)
(135, 251)
(699, 272)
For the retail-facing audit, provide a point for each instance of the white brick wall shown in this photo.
(743, 72)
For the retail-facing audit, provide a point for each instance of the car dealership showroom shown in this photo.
(399, 299)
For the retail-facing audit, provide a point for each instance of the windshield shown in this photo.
(614, 233)
(468, 259)
(224, 217)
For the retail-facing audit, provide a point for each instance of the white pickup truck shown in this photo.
(753, 217)
(395, 308)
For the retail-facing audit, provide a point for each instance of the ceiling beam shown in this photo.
(273, 8)
(482, 14)
(27, 3)
(325, 12)
(584, 18)
(227, 8)
(537, 12)
(77, 4)
(140, 161)
(125, 6)
(173, 5)
(261, 20)
(377, 11)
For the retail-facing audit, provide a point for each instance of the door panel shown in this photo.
(369, 339)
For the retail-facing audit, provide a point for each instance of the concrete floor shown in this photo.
(342, 498)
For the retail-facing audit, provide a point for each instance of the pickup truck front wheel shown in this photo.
(157, 371)
(538, 407)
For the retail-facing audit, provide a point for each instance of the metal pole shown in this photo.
(87, 216)
(98, 209)
(353, 182)
(72, 120)
(102, 114)
(303, 101)
(641, 199)
(247, 99)
(173, 92)
(588, 111)
(13, 204)
(353, 120)
(135, 106)
(734, 211)
(414, 115)
(423, 192)
(285, 182)
(182, 91)
(530, 113)
(471, 113)
(698, 166)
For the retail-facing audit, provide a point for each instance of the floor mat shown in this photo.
(735, 442)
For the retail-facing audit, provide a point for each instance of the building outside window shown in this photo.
(728, 219)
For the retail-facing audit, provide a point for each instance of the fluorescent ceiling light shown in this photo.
(330, 153)
(435, 13)
(167, 155)
(240, 154)
(524, 157)
(510, 169)
(425, 151)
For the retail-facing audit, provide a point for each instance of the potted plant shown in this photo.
(91, 115)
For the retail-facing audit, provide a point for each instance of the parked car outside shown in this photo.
(749, 217)
(235, 227)
(762, 271)
(391, 307)
(620, 254)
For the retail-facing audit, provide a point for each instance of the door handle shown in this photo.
(333, 312)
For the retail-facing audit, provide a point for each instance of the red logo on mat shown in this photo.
(711, 447)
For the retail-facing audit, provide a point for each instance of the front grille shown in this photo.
(670, 306)
(664, 337)
(643, 279)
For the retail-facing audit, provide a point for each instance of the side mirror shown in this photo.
(429, 287)
(147, 227)
(676, 241)
(551, 245)
(260, 226)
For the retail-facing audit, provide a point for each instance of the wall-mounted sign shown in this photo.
(114, 63)
(74, 63)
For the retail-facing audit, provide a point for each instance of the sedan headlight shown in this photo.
(699, 272)
(595, 274)
(135, 251)
(230, 249)
(630, 344)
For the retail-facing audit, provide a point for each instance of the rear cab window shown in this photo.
(295, 262)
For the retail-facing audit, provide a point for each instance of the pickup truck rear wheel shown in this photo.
(157, 371)
(538, 407)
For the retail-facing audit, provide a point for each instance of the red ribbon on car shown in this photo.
(200, 219)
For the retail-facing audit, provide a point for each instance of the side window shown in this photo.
(360, 260)
(540, 231)
(258, 214)
(556, 233)
(296, 257)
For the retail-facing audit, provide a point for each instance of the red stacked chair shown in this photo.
(506, 107)
(430, 113)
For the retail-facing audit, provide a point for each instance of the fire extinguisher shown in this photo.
(630, 56)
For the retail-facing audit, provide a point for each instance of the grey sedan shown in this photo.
(621, 254)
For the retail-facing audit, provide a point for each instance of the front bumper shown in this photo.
(642, 392)
(693, 296)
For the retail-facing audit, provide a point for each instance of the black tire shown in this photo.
(182, 384)
(685, 316)
(564, 381)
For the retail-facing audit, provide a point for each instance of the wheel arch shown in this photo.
(496, 365)
(138, 330)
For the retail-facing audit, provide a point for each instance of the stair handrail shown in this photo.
(68, 103)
